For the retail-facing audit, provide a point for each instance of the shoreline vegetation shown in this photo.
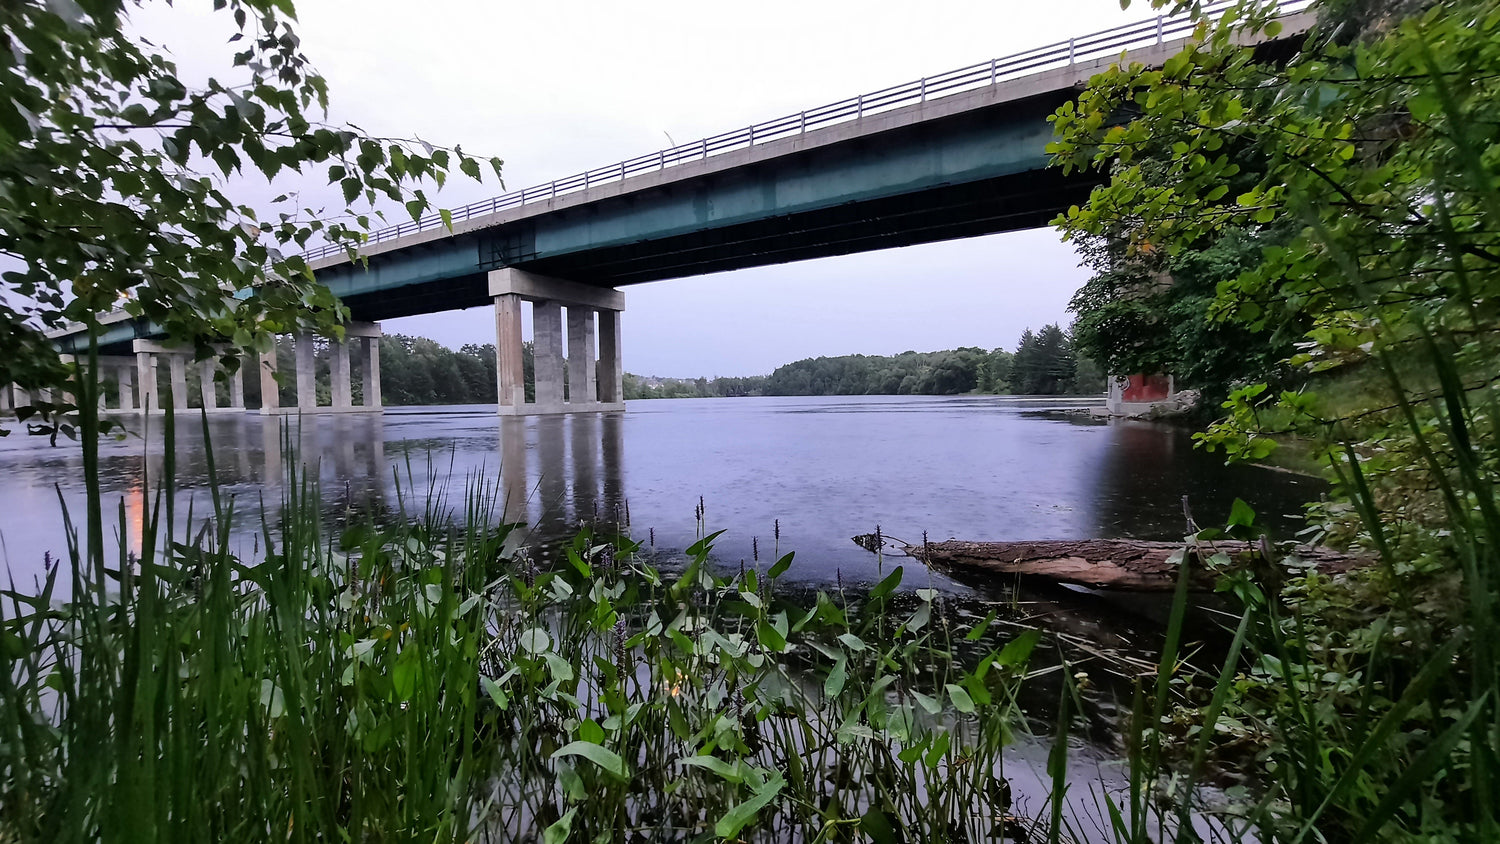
(417, 371)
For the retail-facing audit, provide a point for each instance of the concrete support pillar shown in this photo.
(125, 383)
(237, 387)
(307, 385)
(206, 385)
(509, 287)
(145, 370)
(371, 359)
(6, 401)
(581, 389)
(270, 395)
(338, 372)
(611, 363)
(508, 352)
(547, 337)
(177, 364)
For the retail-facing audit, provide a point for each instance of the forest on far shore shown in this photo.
(419, 371)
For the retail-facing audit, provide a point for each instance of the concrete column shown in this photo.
(581, 389)
(508, 352)
(338, 372)
(270, 397)
(177, 364)
(237, 388)
(206, 383)
(546, 330)
(145, 370)
(509, 287)
(307, 385)
(372, 372)
(611, 364)
(125, 382)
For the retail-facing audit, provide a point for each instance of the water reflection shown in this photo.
(1149, 468)
(560, 472)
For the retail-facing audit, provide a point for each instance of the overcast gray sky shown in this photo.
(558, 87)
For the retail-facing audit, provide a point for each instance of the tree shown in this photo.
(1376, 150)
(1044, 363)
(105, 203)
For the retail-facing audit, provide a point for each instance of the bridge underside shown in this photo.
(1010, 203)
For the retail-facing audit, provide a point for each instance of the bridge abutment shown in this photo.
(571, 380)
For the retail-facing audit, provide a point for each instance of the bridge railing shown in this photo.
(1107, 43)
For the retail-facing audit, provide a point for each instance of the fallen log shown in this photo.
(1126, 564)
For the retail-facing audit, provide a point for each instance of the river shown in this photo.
(802, 474)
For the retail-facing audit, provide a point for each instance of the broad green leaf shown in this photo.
(601, 756)
(961, 700)
(735, 819)
(837, 675)
(558, 832)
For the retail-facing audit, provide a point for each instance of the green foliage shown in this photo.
(1151, 314)
(415, 371)
(1367, 166)
(1044, 364)
(654, 387)
(103, 204)
(1037, 367)
(909, 373)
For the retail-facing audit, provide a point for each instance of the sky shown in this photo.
(555, 87)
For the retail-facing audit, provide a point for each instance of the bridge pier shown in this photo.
(340, 371)
(143, 394)
(577, 382)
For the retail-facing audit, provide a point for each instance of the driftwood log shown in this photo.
(1125, 564)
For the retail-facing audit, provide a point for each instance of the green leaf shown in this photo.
(781, 566)
(535, 640)
(939, 748)
(731, 773)
(979, 629)
(558, 832)
(961, 700)
(1241, 514)
(875, 822)
(735, 819)
(590, 731)
(837, 676)
(1017, 650)
(601, 756)
(927, 702)
(888, 585)
(770, 637)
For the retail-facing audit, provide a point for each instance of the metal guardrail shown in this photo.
(1110, 42)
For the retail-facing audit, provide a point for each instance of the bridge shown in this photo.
(959, 154)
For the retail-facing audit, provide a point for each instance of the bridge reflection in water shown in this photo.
(552, 473)
(559, 472)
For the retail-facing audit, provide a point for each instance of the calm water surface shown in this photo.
(825, 469)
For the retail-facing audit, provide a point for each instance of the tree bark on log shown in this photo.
(1127, 564)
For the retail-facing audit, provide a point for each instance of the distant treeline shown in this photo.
(1043, 364)
(415, 370)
